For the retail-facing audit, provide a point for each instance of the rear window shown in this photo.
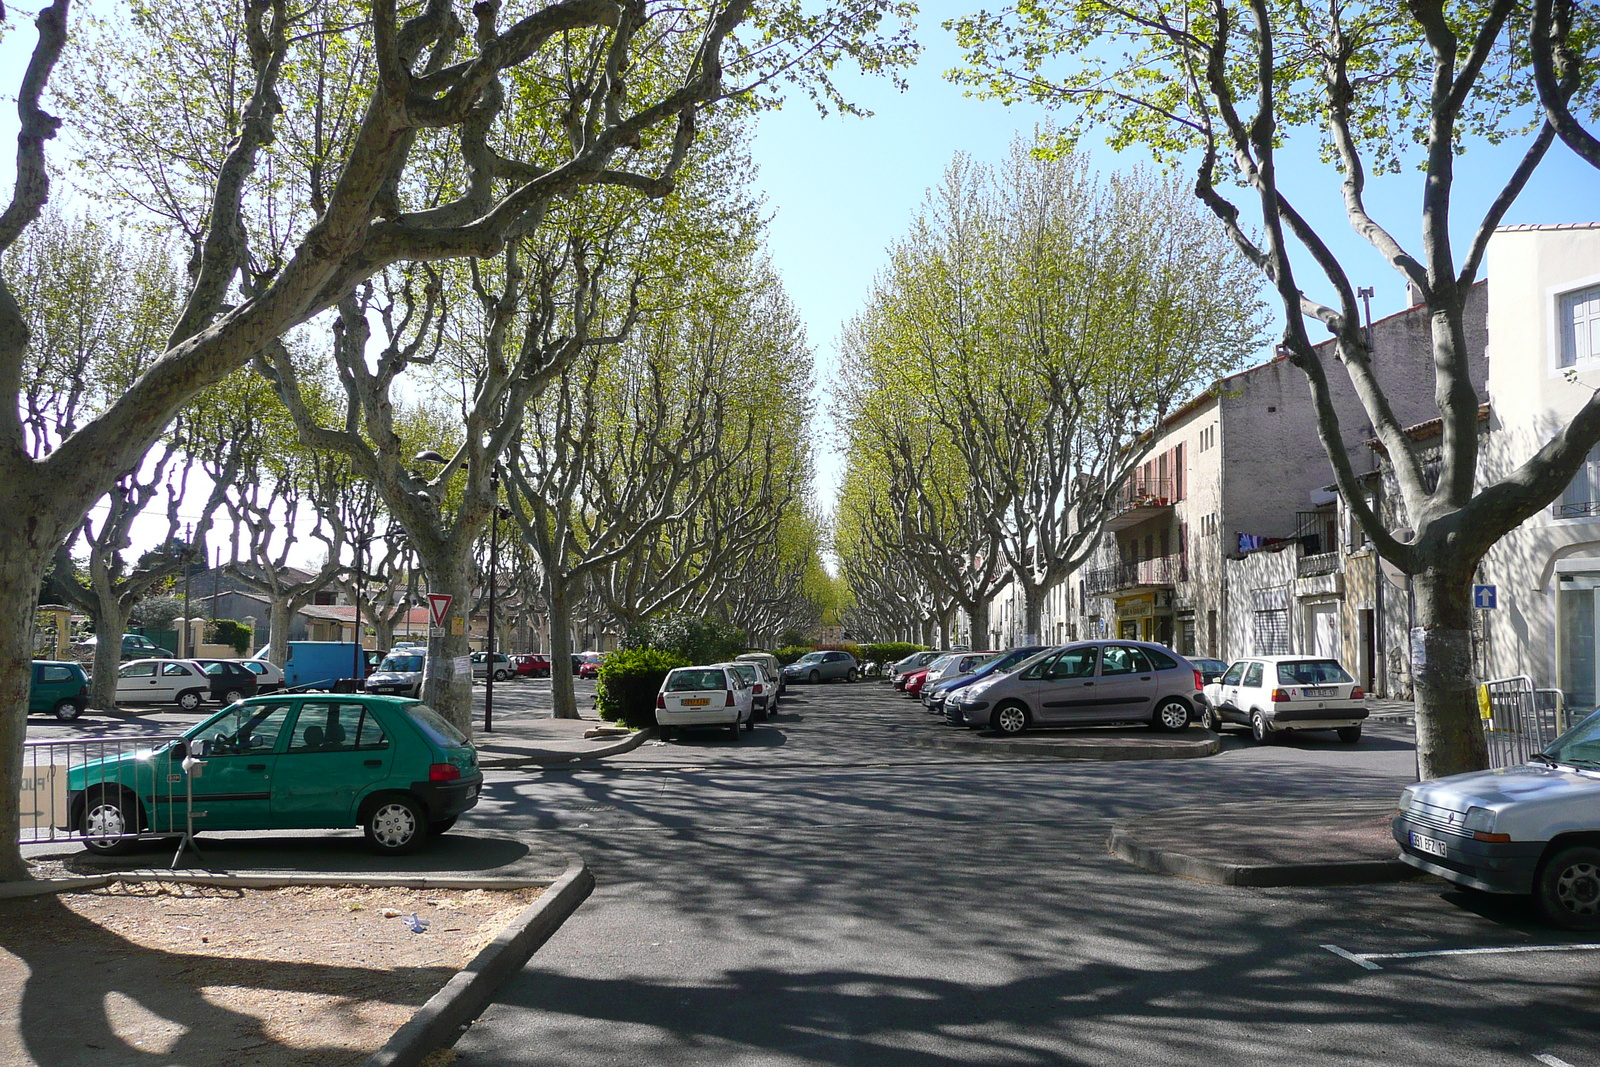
(1312, 672)
(692, 681)
(1162, 661)
(435, 727)
(401, 663)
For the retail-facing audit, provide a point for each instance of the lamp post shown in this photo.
(188, 569)
(494, 572)
(361, 655)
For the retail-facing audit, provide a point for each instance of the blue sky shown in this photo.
(840, 189)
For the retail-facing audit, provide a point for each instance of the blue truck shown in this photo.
(319, 664)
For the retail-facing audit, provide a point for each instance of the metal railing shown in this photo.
(1162, 570)
(1139, 492)
(1519, 719)
(1321, 563)
(47, 808)
(1578, 509)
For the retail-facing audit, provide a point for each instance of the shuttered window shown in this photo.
(1272, 633)
(1580, 327)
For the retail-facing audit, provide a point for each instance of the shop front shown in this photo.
(1146, 617)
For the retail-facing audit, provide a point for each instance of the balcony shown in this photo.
(1162, 572)
(1321, 563)
(1581, 509)
(1138, 500)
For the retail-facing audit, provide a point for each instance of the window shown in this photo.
(1312, 672)
(55, 673)
(1582, 495)
(175, 670)
(1233, 675)
(1252, 677)
(336, 728)
(251, 728)
(138, 670)
(1163, 661)
(1120, 659)
(1580, 326)
(1073, 663)
(697, 680)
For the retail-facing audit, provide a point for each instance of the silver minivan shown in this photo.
(1087, 683)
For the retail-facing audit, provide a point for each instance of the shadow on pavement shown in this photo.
(343, 852)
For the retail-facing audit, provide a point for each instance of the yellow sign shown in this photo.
(1136, 607)
(1484, 709)
(458, 626)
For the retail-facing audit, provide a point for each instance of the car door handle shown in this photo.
(372, 763)
(255, 766)
(1144, 677)
(1086, 684)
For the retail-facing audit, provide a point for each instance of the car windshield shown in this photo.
(810, 657)
(1312, 672)
(691, 681)
(939, 664)
(435, 726)
(1007, 662)
(401, 663)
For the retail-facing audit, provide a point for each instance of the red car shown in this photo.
(915, 681)
(590, 667)
(532, 665)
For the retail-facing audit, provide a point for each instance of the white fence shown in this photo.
(47, 810)
(1519, 719)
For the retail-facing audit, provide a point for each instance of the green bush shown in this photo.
(790, 653)
(629, 680)
(228, 632)
(697, 640)
(881, 654)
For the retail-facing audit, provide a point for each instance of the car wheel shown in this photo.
(850, 675)
(107, 815)
(1259, 728)
(750, 723)
(815, 677)
(1170, 716)
(664, 732)
(190, 700)
(67, 710)
(233, 696)
(734, 729)
(1568, 888)
(1349, 734)
(1214, 720)
(1010, 719)
(395, 826)
(500, 676)
(442, 826)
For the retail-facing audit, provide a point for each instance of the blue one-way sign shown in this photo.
(1483, 596)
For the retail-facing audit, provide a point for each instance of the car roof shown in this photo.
(1302, 658)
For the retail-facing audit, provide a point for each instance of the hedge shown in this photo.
(881, 654)
(789, 653)
(629, 680)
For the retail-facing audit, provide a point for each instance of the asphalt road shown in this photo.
(821, 892)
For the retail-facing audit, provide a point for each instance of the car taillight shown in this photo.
(661, 700)
(1357, 694)
(759, 690)
(1280, 695)
(1199, 683)
(443, 772)
(728, 703)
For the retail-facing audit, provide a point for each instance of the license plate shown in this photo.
(696, 703)
(1431, 846)
(1325, 692)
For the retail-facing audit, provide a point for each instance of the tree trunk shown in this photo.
(21, 571)
(1033, 598)
(563, 700)
(382, 630)
(979, 614)
(1449, 729)
(278, 614)
(447, 690)
(110, 620)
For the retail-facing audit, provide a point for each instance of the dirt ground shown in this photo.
(169, 973)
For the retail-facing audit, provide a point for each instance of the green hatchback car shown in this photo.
(390, 765)
(59, 688)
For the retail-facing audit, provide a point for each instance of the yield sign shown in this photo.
(439, 607)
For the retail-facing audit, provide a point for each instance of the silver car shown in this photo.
(1086, 683)
(814, 667)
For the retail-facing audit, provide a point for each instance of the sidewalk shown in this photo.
(520, 739)
(1306, 843)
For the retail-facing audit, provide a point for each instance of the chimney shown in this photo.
(1417, 299)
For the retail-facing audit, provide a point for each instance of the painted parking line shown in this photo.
(1364, 959)
(1550, 1061)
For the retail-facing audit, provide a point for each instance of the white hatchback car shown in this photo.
(162, 681)
(704, 696)
(1277, 694)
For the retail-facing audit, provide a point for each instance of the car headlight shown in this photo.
(1479, 820)
(1407, 795)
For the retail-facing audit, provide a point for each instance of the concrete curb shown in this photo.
(440, 1021)
(548, 757)
(1076, 749)
(1165, 861)
(42, 886)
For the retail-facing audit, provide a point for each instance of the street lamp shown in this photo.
(494, 559)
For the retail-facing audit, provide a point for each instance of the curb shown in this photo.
(546, 757)
(1076, 750)
(1162, 861)
(440, 1021)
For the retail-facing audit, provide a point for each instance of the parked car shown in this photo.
(590, 667)
(162, 681)
(1530, 829)
(230, 682)
(945, 702)
(914, 662)
(814, 667)
(134, 646)
(59, 688)
(400, 674)
(958, 665)
(269, 676)
(1210, 669)
(1276, 694)
(915, 680)
(1087, 682)
(394, 767)
(531, 665)
(703, 696)
(774, 667)
(763, 690)
(502, 666)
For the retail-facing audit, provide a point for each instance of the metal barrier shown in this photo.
(46, 808)
(1518, 719)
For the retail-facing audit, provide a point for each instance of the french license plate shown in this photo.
(1323, 692)
(698, 702)
(1431, 846)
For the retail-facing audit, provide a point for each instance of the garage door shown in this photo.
(1272, 633)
